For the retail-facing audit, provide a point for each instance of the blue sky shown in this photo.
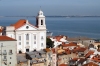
(49, 7)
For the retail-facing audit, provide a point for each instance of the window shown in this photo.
(9, 62)
(5, 57)
(41, 22)
(1, 45)
(27, 42)
(41, 37)
(34, 42)
(10, 57)
(4, 50)
(20, 38)
(27, 27)
(19, 43)
(42, 44)
(34, 37)
(10, 52)
(27, 36)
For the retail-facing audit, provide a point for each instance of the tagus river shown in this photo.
(72, 27)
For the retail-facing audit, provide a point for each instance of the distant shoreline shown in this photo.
(51, 16)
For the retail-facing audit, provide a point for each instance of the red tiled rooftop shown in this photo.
(63, 65)
(89, 53)
(70, 44)
(20, 23)
(90, 64)
(6, 38)
(96, 58)
(79, 49)
(59, 37)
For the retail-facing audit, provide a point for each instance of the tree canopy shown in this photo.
(49, 43)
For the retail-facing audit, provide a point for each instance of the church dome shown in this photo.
(40, 12)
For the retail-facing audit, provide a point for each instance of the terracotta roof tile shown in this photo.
(90, 64)
(20, 23)
(89, 53)
(63, 65)
(59, 37)
(6, 38)
(79, 49)
(70, 44)
(96, 58)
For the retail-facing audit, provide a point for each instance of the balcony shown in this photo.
(4, 53)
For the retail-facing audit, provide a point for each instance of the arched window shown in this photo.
(27, 36)
(41, 22)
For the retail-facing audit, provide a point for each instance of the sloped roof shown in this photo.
(20, 23)
(89, 53)
(63, 65)
(96, 58)
(70, 44)
(6, 38)
(79, 49)
(90, 64)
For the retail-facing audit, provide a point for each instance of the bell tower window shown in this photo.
(41, 22)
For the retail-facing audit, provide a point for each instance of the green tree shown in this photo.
(49, 43)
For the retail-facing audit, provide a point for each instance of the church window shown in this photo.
(19, 43)
(27, 36)
(41, 44)
(27, 42)
(27, 27)
(34, 37)
(19, 37)
(41, 37)
(34, 42)
(41, 22)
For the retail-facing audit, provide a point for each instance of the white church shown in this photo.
(29, 37)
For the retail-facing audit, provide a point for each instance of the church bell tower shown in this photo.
(40, 20)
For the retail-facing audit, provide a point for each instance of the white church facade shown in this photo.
(29, 37)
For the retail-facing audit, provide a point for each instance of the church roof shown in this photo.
(20, 23)
(6, 38)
